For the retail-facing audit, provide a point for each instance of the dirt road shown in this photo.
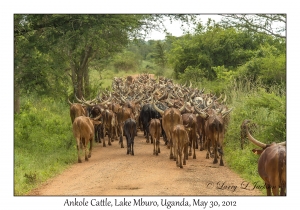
(110, 171)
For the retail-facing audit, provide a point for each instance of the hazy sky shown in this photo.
(175, 27)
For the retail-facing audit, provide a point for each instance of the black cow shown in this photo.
(94, 111)
(130, 132)
(147, 113)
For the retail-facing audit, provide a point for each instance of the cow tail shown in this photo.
(281, 166)
(219, 129)
(80, 138)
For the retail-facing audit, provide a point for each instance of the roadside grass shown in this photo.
(43, 142)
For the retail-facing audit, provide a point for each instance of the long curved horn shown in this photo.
(202, 114)
(108, 100)
(83, 102)
(97, 118)
(182, 108)
(70, 102)
(156, 108)
(251, 138)
(226, 113)
(78, 99)
(219, 97)
(225, 98)
(140, 99)
(190, 84)
(282, 143)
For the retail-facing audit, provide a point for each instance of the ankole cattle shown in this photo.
(130, 133)
(76, 110)
(189, 122)
(214, 131)
(83, 131)
(271, 163)
(155, 132)
(170, 118)
(180, 142)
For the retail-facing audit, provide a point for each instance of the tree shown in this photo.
(159, 54)
(271, 24)
(70, 42)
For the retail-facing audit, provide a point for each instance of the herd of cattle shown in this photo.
(186, 118)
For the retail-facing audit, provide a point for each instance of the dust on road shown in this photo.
(111, 172)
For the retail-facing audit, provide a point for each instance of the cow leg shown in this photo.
(221, 161)
(215, 157)
(78, 153)
(109, 136)
(104, 134)
(121, 136)
(268, 187)
(202, 142)
(282, 189)
(95, 131)
(86, 153)
(132, 143)
(147, 137)
(154, 148)
(128, 145)
(185, 154)
(157, 145)
(91, 146)
(221, 156)
(194, 147)
(177, 159)
(180, 156)
(172, 156)
(208, 150)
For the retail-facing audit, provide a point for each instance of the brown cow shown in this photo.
(271, 163)
(189, 121)
(170, 117)
(215, 134)
(109, 124)
(155, 132)
(122, 115)
(180, 140)
(76, 110)
(201, 118)
(83, 131)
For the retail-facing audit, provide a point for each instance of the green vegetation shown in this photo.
(248, 66)
(43, 142)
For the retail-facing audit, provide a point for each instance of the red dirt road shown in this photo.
(110, 171)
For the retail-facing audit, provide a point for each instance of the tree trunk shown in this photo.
(86, 76)
(80, 76)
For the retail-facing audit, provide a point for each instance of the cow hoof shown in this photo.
(79, 161)
(221, 163)
(171, 156)
(215, 161)
(194, 157)
(181, 166)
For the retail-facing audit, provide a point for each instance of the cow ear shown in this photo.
(257, 151)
